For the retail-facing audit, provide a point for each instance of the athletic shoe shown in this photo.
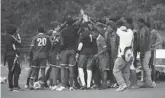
(26, 86)
(154, 84)
(10, 89)
(95, 87)
(135, 87)
(147, 86)
(114, 85)
(54, 87)
(50, 87)
(71, 88)
(122, 87)
(17, 89)
(83, 87)
(46, 85)
(88, 88)
(61, 88)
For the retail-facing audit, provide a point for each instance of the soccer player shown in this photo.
(40, 47)
(102, 58)
(12, 55)
(87, 48)
(54, 58)
(112, 41)
(69, 39)
(30, 69)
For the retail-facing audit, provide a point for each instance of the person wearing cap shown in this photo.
(145, 47)
(11, 44)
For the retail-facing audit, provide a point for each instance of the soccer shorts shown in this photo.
(67, 58)
(85, 61)
(103, 62)
(53, 59)
(39, 63)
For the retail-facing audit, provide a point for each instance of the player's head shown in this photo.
(129, 23)
(69, 20)
(41, 29)
(85, 26)
(50, 32)
(11, 29)
(111, 26)
(141, 22)
(95, 33)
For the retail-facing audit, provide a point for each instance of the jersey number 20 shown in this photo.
(41, 41)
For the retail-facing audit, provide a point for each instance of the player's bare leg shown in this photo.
(28, 78)
(43, 75)
(32, 78)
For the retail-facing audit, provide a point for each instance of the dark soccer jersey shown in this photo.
(89, 44)
(41, 46)
(69, 37)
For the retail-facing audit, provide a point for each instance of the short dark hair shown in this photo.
(141, 20)
(11, 29)
(41, 29)
(69, 20)
(113, 25)
(129, 20)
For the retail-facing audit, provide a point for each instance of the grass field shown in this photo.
(158, 92)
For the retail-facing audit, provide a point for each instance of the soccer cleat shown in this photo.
(54, 87)
(83, 87)
(26, 86)
(153, 84)
(61, 88)
(121, 87)
(17, 89)
(88, 88)
(71, 88)
(50, 87)
(10, 89)
(95, 87)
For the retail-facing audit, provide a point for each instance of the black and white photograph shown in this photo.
(82, 49)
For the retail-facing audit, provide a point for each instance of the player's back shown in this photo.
(42, 45)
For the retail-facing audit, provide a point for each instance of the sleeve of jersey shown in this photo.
(33, 42)
(102, 42)
(49, 43)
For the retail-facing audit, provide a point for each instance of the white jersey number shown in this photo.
(41, 41)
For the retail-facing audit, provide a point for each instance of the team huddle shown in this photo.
(85, 54)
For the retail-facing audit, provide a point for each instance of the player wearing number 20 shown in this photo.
(40, 48)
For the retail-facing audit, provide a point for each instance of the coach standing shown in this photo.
(10, 55)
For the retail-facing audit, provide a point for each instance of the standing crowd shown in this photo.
(85, 54)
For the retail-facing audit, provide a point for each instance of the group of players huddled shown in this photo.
(86, 54)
